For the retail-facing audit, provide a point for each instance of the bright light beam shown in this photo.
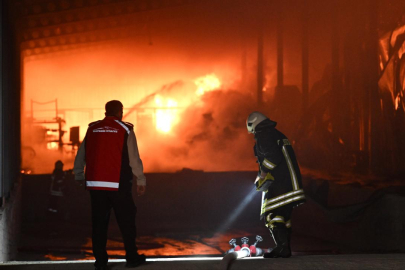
(238, 210)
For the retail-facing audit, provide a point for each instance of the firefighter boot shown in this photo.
(281, 238)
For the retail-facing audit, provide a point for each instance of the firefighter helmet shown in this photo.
(59, 165)
(253, 120)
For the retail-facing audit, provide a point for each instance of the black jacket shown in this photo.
(276, 156)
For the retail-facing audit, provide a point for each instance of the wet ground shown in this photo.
(301, 262)
(194, 214)
(57, 246)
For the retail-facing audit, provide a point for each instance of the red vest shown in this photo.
(107, 159)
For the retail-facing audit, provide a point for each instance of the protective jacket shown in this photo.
(276, 157)
(110, 154)
(57, 183)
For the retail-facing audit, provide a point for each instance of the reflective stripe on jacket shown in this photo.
(276, 156)
(110, 154)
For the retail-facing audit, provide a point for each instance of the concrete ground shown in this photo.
(340, 226)
(301, 262)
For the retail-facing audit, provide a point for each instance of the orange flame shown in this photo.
(167, 111)
(167, 117)
(207, 83)
(52, 145)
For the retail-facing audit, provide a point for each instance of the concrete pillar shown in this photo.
(305, 57)
(280, 53)
(260, 63)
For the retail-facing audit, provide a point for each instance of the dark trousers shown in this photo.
(279, 217)
(125, 211)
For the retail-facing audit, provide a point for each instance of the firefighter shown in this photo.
(279, 179)
(57, 187)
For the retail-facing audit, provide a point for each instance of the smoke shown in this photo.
(211, 136)
(207, 132)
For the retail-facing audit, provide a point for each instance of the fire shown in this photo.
(166, 117)
(167, 110)
(207, 83)
(52, 145)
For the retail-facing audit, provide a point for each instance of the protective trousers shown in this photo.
(279, 224)
(279, 216)
(125, 211)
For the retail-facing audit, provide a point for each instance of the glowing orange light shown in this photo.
(165, 118)
(52, 145)
(207, 83)
(55, 258)
(397, 101)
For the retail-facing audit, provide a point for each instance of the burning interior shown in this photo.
(189, 73)
(331, 73)
(175, 119)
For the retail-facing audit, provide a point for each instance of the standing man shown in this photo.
(279, 179)
(110, 154)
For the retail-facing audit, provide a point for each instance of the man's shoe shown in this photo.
(137, 262)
